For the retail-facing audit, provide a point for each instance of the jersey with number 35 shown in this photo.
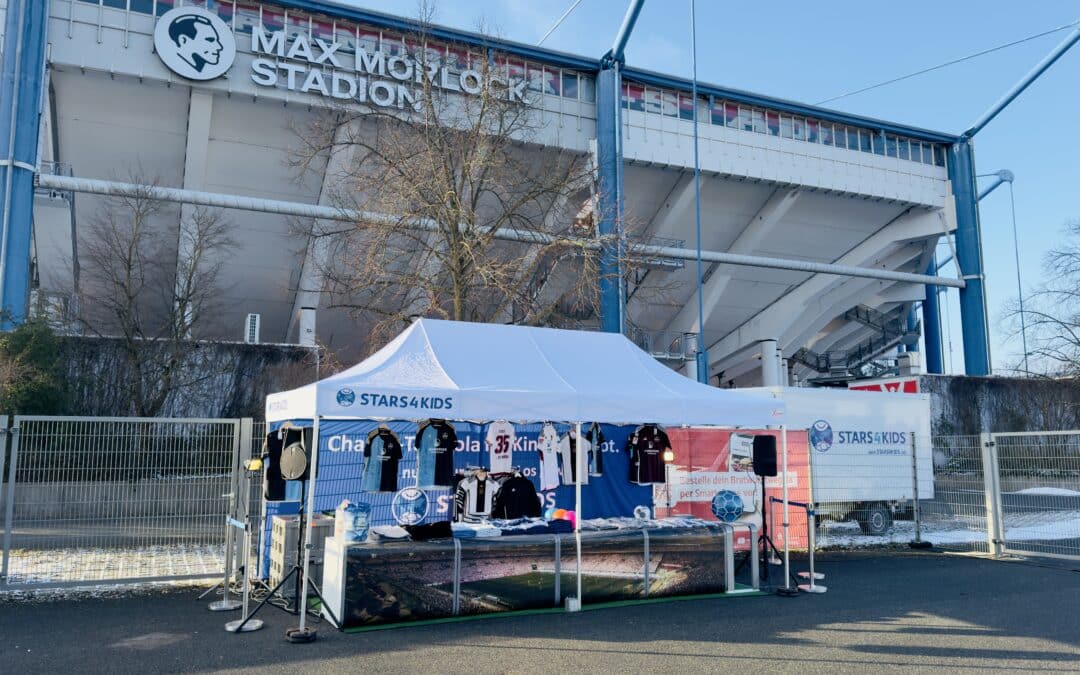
(500, 443)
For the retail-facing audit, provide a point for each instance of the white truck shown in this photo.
(862, 446)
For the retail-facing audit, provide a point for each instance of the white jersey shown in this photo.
(569, 448)
(547, 444)
(500, 444)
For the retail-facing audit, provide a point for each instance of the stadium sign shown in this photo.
(196, 44)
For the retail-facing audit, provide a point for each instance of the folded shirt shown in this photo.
(390, 532)
(473, 530)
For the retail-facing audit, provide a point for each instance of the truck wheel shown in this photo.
(875, 519)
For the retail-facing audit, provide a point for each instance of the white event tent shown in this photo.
(473, 371)
(484, 372)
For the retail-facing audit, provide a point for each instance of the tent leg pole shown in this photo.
(786, 589)
(579, 467)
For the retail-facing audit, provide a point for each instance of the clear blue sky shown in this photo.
(810, 51)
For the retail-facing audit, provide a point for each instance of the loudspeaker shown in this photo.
(765, 455)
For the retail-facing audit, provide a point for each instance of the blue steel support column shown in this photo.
(931, 318)
(912, 326)
(969, 258)
(22, 76)
(609, 159)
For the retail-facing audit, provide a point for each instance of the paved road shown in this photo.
(882, 613)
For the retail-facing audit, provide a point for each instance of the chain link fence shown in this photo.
(116, 500)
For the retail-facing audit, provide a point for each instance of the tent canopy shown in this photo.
(474, 371)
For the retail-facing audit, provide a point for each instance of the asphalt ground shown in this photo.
(885, 611)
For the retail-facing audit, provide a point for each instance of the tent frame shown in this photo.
(573, 604)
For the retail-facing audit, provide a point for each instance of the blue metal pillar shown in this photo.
(969, 257)
(912, 326)
(22, 78)
(609, 170)
(931, 318)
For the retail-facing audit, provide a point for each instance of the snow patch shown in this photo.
(1047, 491)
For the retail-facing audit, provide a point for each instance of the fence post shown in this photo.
(9, 497)
(916, 505)
(991, 493)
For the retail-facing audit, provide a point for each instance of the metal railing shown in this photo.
(94, 500)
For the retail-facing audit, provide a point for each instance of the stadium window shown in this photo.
(686, 107)
(731, 114)
(826, 133)
(939, 155)
(772, 120)
(812, 134)
(716, 113)
(552, 82)
(903, 149)
(759, 121)
(799, 125)
(569, 85)
(588, 89)
(625, 97)
(916, 151)
(864, 139)
(745, 122)
(785, 126)
(840, 136)
(669, 102)
(890, 146)
(536, 78)
(142, 6)
(115, 4)
(878, 142)
(634, 96)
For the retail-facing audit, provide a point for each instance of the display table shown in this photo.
(397, 581)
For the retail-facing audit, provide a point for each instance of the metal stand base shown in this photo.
(301, 635)
(921, 545)
(224, 605)
(808, 588)
(242, 626)
(787, 592)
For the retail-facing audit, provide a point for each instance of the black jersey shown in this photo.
(381, 454)
(435, 444)
(646, 448)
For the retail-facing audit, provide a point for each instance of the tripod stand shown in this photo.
(769, 545)
(302, 582)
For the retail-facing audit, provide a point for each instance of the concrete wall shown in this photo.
(970, 405)
(238, 378)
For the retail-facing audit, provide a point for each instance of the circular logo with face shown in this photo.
(194, 43)
(346, 397)
(410, 506)
(821, 436)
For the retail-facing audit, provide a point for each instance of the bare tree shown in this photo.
(1051, 313)
(155, 291)
(439, 178)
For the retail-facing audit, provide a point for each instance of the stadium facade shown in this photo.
(819, 227)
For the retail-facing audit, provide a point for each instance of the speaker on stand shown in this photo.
(764, 461)
(292, 464)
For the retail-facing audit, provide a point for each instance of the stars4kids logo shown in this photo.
(821, 436)
(346, 397)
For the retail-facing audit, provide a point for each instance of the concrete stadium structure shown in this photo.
(819, 227)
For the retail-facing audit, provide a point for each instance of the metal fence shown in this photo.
(90, 501)
(955, 518)
(116, 500)
(1037, 497)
